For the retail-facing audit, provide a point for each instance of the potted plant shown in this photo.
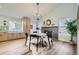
(72, 28)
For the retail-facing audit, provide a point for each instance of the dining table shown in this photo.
(38, 36)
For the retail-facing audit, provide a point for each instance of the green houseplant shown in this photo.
(72, 28)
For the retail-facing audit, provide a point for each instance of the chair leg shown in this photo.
(26, 41)
(41, 41)
(52, 42)
(29, 42)
(37, 43)
(49, 43)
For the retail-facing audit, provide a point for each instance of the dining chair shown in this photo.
(34, 36)
(49, 35)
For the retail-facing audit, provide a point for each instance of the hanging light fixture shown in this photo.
(38, 16)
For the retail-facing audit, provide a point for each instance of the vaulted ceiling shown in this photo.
(26, 9)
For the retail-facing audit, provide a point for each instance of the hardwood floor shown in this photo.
(63, 48)
(16, 47)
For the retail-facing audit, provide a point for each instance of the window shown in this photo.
(15, 26)
(9, 24)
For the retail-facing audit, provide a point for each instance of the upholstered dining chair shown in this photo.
(49, 35)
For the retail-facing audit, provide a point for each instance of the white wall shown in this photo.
(34, 26)
(62, 13)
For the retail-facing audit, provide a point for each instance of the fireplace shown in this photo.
(53, 31)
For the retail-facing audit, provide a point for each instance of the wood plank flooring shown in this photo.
(16, 47)
(62, 48)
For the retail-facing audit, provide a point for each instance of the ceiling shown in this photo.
(26, 9)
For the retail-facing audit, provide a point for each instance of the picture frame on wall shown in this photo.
(48, 22)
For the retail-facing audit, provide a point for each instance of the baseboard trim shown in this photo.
(12, 39)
